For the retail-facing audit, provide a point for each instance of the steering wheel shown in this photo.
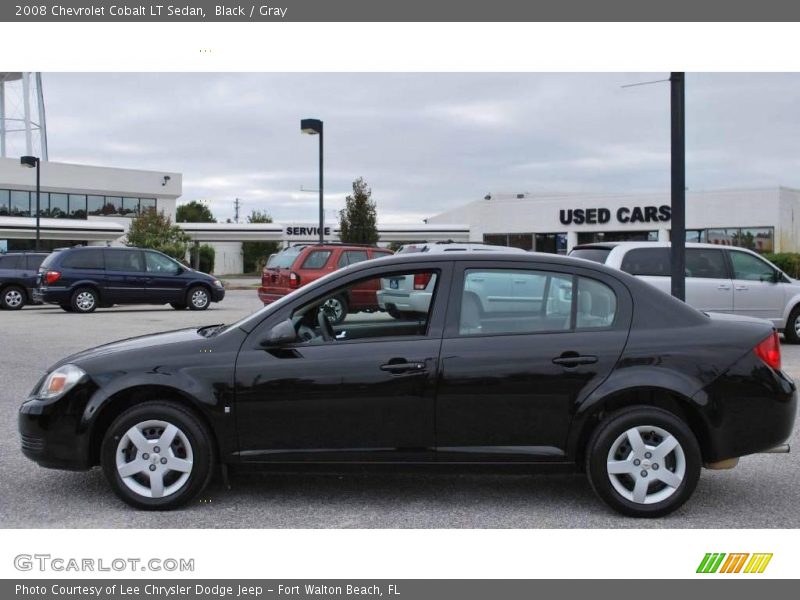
(325, 327)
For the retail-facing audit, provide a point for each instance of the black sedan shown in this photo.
(518, 361)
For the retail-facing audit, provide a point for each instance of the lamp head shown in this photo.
(29, 161)
(311, 126)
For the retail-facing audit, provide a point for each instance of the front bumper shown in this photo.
(54, 434)
(217, 294)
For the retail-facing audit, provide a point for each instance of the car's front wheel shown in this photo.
(84, 300)
(157, 456)
(198, 297)
(643, 462)
(12, 298)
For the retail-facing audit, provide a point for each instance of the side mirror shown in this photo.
(283, 333)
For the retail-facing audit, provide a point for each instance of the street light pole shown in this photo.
(314, 127)
(30, 162)
(678, 139)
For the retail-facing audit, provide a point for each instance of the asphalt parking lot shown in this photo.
(763, 491)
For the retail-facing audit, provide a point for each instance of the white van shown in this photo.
(722, 279)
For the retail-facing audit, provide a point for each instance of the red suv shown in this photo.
(299, 265)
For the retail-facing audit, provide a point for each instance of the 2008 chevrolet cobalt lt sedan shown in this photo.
(518, 360)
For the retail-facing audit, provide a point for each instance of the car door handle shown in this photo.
(573, 359)
(723, 286)
(403, 367)
(742, 288)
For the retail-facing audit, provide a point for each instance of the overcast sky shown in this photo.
(424, 142)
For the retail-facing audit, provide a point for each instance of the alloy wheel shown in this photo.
(154, 459)
(646, 464)
(199, 298)
(13, 298)
(334, 309)
(85, 301)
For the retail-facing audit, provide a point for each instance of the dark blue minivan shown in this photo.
(84, 278)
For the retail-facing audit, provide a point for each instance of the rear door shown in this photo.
(756, 292)
(509, 380)
(125, 276)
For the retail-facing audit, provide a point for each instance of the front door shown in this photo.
(514, 370)
(755, 290)
(363, 390)
(163, 281)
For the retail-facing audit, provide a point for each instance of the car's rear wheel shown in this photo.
(178, 305)
(157, 456)
(12, 298)
(198, 298)
(84, 300)
(792, 331)
(336, 309)
(643, 462)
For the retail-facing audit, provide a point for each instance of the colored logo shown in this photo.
(738, 562)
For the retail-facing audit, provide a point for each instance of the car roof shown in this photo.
(612, 245)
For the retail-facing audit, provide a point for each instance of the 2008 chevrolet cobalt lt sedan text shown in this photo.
(518, 360)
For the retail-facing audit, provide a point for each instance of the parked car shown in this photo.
(300, 265)
(407, 297)
(83, 278)
(18, 272)
(631, 385)
(722, 279)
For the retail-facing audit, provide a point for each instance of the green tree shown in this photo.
(194, 212)
(206, 259)
(254, 254)
(358, 220)
(152, 229)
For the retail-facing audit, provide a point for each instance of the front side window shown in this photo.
(378, 307)
(9, 262)
(123, 260)
(750, 268)
(504, 301)
(158, 263)
(316, 259)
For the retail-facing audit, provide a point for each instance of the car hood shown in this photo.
(133, 344)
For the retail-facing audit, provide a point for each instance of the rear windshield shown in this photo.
(50, 259)
(598, 255)
(284, 260)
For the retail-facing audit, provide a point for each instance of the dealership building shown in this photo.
(764, 219)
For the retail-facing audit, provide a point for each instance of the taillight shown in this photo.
(421, 280)
(294, 280)
(52, 277)
(770, 351)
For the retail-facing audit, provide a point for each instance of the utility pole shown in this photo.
(236, 205)
(678, 184)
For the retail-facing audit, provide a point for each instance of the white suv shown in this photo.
(721, 279)
(408, 296)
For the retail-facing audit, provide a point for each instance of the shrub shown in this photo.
(788, 262)
(207, 256)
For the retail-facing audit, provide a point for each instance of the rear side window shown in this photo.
(10, 262)
(597, 304)
(598, 255)
(316, 259)
(646, 261)
(705, 264)
(84, 259)
(123, 260)
(351, 257)
(34, 261)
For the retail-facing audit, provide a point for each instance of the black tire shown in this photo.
(790, 332)
(336, 309)
(84, 300)
(13, 297)
(178, 305)
(198, 298)
(663, 498)
(66, 307)
(192, 445)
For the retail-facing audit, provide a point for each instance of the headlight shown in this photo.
(60, 381)
(217, 283)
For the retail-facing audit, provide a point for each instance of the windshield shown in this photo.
(598, 255)
(249, 322)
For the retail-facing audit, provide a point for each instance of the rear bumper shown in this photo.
(52, 295)
(417, 301)
(269, 295)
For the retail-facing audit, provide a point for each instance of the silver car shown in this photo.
(408, 296)
(721, 279)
